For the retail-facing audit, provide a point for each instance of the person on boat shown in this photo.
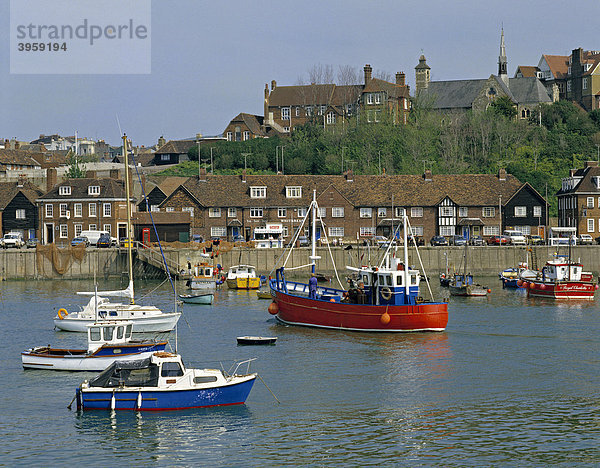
(312, 287)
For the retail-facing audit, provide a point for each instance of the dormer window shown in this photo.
(64, 190)
(94, 190)
(258, 192)
(293, 192)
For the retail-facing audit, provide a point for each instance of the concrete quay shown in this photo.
(111, 263)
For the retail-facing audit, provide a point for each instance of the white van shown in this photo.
(93, 236)
(516, 237)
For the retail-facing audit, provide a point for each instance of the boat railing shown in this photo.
(233, 370)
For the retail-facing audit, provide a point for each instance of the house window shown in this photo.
(214, 212)
(256, 212)
(399, 211)
(231, 212)
(337, 212)
(64, 190)
(107, 209)
(330, 118)
(169, 209)
(285, 231)
(366, 212)
(20, 213)
(94, 190)
(218, 231)
(569, 84)
(154, 208)
(92, 209)
(417, 230)
(525, 230)
(416, 212)
(286, 129)
(488, 212)
(229, 136)
(301, 212)
(63, 210)
(106, 228)
(537, 211)
(246, 135)
(491, 230)
(189, 209)
(64, 231)
(520, 211)
(590, 202)
(165, 157)
(309, 111)
(369, 98)
(322, 212)
(377, 98)
(293, 192)
(281, 212)
(463, 212)
(297, 111)
(285, 113)
(92, 227)
(367, 231)
(78, 229)
(585, 83)
(258, 192)
(77, 207)
(446, 230)
(322, 110)
(446, 211)
(381, 212)
(336, 231)
(590, 224)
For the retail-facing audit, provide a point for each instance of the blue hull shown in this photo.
(126, 349)
(157, 400)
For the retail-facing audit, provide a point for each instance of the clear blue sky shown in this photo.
(211, 60)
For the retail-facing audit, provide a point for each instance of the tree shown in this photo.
(75, 171)
(504, 106)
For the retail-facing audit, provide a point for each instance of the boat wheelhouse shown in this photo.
(242, 277)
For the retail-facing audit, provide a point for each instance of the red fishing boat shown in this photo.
(381, 298)
(562, 278)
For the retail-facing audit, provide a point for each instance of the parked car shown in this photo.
(238, 239)
(498, 240)
(418, 239)
(12, 240)
(32, 243)
(81, 240)
(516, 237)
(197, 238)
(438, 240)
(586, 239)
(303, 241)
(104, 241)
(535, 240)
(457, 240)
(476, 240)
(380, 241)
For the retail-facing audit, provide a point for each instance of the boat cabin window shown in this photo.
(95, 333)
(109, 333)
(112, 313)
(129, 330)
(207, 272)
(365, 279)
(233, 270)
(399, 280)
(120, 331)
(413, 280)
(171, 369)
(385, 280)
(206, 379)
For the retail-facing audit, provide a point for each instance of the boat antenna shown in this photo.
(129, 237)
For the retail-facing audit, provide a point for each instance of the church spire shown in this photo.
(502, 61)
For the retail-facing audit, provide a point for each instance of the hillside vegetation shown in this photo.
(538, 151)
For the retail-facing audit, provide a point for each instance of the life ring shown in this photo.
(419, 300)
(62, 313)
(386, 293)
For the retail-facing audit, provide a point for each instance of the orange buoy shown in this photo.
(332, 300)
(531, 285)
(385, 318)
(489, 290)
(519, 283)
(273, 308)
(542, 286)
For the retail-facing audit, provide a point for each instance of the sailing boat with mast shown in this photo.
(381, 298)
(463, 284)
(145, 318)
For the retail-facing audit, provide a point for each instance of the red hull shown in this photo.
(562, 289)
(297, 310)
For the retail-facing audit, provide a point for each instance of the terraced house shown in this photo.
(76, 205)
(359, 206)
(579, 200)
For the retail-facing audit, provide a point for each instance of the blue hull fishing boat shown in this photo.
(161, 383)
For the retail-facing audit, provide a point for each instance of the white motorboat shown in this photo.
(107, 342)
(145, 318)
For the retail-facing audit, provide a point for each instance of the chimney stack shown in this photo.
(590, 164)
(349, 175)
(368, 72)
(572, 172)
(400, 79)
(21, 181)
(273, 85)
(114, 173)
(502, 174)
(91, 174)
(428, 176)
(51, 178)
(202, 175)
(244, 176)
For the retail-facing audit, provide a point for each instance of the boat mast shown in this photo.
(405, 240)
(129, 240)
(314, 229)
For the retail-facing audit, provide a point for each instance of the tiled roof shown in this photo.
(317, 94)
(528, 90)
(558, 64)
(253, 122)
(8, 191)
(109, 188)
(391, 89)
(528, 71)
(457, 94)
(176, 146)
(586, 184)
(363, 190)
(17, 157)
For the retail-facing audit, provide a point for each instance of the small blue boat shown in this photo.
(162, 382)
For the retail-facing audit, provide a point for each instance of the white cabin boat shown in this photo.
(242, 277)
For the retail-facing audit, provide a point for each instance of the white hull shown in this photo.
(164, 322)
(203, 285)
(77, 363)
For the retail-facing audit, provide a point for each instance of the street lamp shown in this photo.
(282, 169)
(245, 161)
(198, 142)
(212, 167)
(343, 148)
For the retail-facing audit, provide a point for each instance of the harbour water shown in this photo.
(513, 381)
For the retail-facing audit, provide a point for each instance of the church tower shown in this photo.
(422, 75)
(502, 61)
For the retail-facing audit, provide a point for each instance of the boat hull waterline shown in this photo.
(297, 310)
(144, 399)
(164, 322)
(562, 290)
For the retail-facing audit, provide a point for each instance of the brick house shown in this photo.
(579, 200)
(359, 205)
(245, 127)
(583, 78)
(76, 205)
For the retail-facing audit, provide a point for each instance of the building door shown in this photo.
(465, 232)
(49, 233)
